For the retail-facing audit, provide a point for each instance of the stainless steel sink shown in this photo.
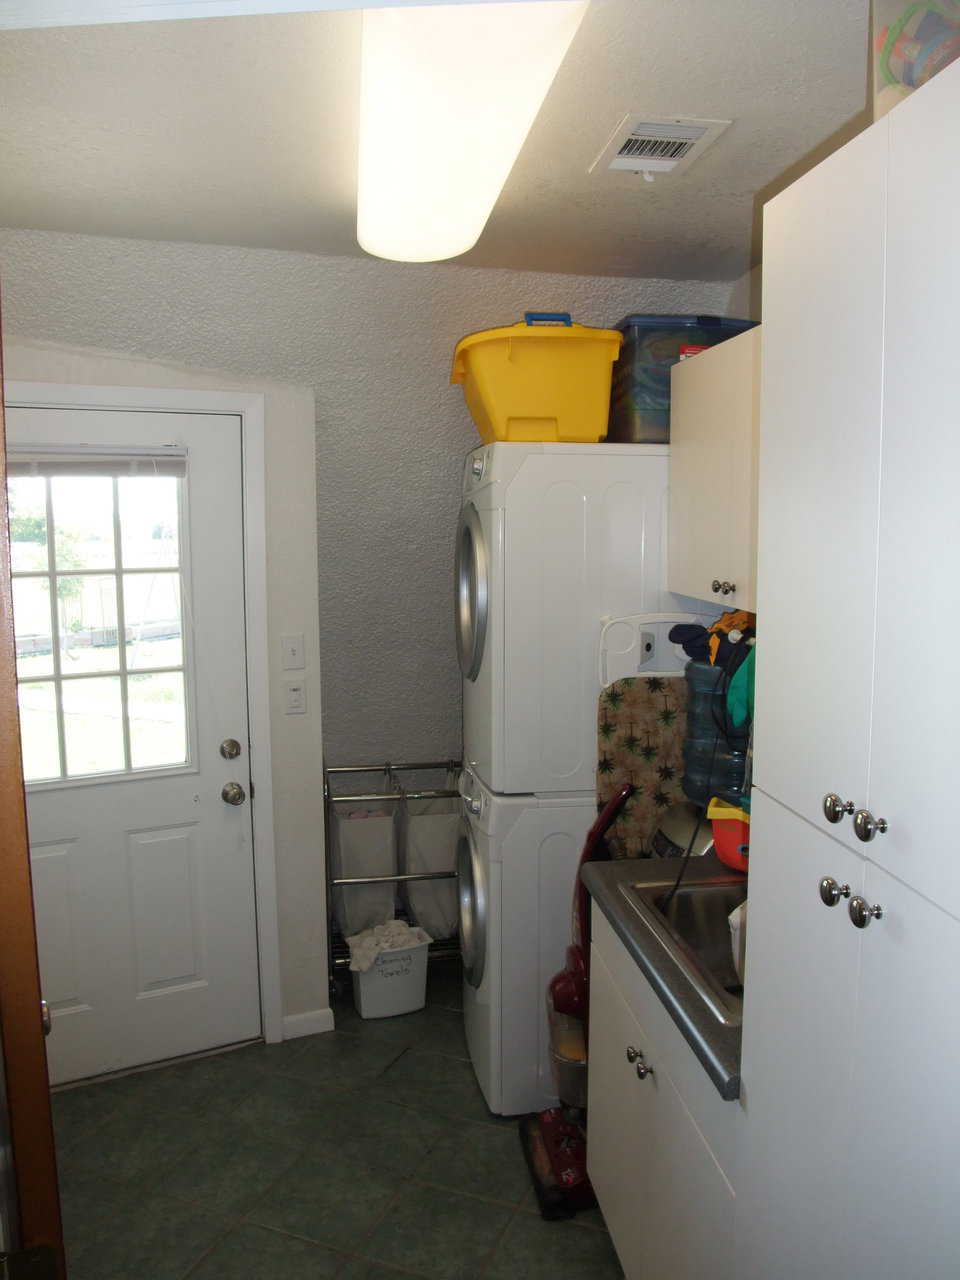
(692, 928)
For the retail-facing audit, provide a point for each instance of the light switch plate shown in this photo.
(295, 698)
(291, 647)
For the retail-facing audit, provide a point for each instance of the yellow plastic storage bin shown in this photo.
(545, 378)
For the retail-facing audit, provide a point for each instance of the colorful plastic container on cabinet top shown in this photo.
(912, 43)
(545, 378)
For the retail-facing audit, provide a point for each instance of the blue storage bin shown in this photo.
(652, 345)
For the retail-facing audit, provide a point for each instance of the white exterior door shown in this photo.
(127, 549)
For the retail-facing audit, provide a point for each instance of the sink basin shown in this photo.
(692, 928)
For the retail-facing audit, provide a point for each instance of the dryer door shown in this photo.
(472, 887)
(472, 573)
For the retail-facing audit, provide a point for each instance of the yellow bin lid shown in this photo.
(554, 325)
(723, 812)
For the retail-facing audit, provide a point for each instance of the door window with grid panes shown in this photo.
(98, 555)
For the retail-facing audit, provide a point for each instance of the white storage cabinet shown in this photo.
(665, 1198)
(859, 518)
(851, 1044)
(715, 409)
(851, 1036)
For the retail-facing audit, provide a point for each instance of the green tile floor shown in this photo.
(367, 1152)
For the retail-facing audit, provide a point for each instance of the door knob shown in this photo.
(233, 793)
(861, 913)
(866, 826)
(831, 892)
(230, 748)
(727, 588)
(715, 586)
(834, 808)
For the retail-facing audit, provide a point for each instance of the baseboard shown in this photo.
(307, 1024)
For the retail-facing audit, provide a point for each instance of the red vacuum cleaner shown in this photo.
(555, 1141)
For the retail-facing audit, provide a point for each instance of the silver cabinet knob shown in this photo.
(715, 586)
(727, 588)
(834, 808)
(831, 892)
(233, 793)
(633, 1054)
(643, 1070)
(866, 826)
(476, 466)
(861, 912)
(473, 806)
(230, 748)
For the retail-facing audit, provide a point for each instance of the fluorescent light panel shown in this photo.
(448, 95)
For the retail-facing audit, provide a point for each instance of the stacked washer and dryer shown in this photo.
(552, 539)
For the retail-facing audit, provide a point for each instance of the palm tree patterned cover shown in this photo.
(642, 723)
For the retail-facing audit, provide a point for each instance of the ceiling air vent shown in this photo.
(666, 145)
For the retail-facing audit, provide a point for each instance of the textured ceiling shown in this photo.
(242, 131)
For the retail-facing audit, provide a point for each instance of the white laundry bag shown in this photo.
(431, 830)
(364, 844)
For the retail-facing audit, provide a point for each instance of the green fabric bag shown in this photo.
(740, 692)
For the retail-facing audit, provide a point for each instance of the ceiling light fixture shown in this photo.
(448, 94)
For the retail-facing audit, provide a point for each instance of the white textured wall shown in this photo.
(375, 341)
(745, 295)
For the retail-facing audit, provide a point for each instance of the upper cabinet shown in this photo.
(821, 392)
(714, 416)
(915, 723)
(859, 518)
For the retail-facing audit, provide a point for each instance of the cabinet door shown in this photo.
(713, 472)
(913, 774)
(823, 259)
(902, 1161)
(667, 1204)
(799, 1000)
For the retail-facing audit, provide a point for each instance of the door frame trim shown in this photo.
(250, 409)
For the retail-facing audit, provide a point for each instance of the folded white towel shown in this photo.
(392, 936)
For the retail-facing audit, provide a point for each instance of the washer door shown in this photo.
(472, 573)
(473, 907)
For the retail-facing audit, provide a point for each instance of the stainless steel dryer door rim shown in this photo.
(472, 891)
(472, 573)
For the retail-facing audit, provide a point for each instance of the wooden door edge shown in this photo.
(21, 1022)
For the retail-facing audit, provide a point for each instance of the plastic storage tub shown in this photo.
(545, 378)
(640, 399)
(395, 983)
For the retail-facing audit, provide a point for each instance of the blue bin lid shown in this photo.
(683, 322)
